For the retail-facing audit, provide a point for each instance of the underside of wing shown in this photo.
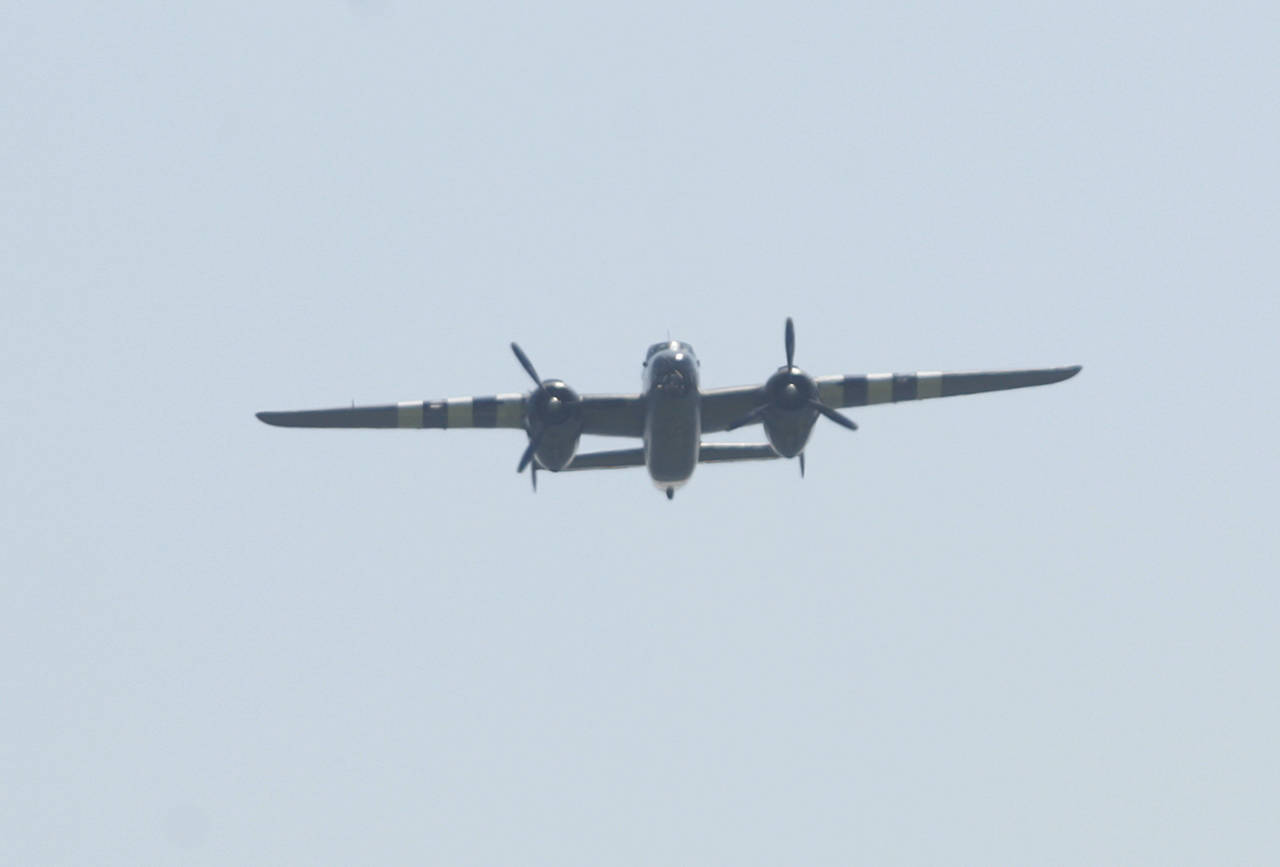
(502, 410)
(613, 415)
(722, 407)
(872, 388)
(606, 415)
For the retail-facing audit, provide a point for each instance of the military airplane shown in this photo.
(672, 412)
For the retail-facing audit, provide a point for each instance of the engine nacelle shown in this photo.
(789, 432)
(554, 421)
(791, 405)
(789, 415)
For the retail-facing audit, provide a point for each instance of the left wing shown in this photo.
(603, 414)
(865, 389)
(723, 406)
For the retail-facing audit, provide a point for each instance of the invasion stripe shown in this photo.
(409, 413)
(855, 390)
(434, 414)
(510, 410)
(831, 390)
(904, 386)
(458, 412)
(879, 387)
(928, 384)
(484, 411)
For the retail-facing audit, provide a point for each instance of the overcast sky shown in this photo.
(1036, 627)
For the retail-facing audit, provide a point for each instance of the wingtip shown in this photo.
(266, 417)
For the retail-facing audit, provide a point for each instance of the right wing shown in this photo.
(602, 414)
(502, 410)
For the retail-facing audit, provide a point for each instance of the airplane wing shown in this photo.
(602, 414)
(722, 406)
(708, 453)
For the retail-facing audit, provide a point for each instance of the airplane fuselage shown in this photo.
(673, 414)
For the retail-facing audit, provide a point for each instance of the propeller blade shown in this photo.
(754, 415)
(791, 341)
(802, 465)
(533, 475)
(830, 413)
(525, 363)
(528, 453)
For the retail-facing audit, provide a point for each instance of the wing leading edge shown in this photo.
(867, 389)
(502, 410)
(605, 415)
(722, 406)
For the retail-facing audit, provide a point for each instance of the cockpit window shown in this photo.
(655, 349)
(667, 344)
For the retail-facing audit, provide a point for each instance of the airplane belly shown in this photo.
(672, 436)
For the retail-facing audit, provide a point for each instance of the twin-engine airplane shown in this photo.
(671, 414)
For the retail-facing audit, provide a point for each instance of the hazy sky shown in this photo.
(1027, 628)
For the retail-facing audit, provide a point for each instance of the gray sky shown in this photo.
(1034, 627)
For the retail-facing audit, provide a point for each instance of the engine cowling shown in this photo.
(789, 415)
(554, 421)
(791, 405)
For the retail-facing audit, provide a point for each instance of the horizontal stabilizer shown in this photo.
(715, 453)
(610, 460)
(708, 453)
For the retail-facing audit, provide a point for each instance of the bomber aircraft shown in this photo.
(672, 412)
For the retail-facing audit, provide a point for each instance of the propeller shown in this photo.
(526, 363)
(552, 403)
(527, 457)
(535, 439)
(790, 389)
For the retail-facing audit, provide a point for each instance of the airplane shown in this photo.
(671, 413)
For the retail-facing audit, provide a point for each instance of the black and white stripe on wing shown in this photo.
(872, 388)
(499, 410)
